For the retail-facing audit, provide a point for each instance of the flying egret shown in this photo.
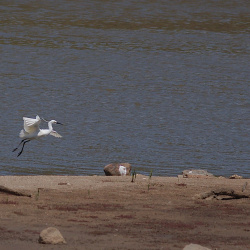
(32, 131)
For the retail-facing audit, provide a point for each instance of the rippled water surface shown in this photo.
(163, 85)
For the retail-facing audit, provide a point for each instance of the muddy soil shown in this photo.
(98, 212)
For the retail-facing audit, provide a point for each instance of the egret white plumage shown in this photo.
(32, 131)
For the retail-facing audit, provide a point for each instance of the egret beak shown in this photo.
(59, 123)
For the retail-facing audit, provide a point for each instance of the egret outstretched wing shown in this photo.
(31, 125)
(32, 131)
(54, 133)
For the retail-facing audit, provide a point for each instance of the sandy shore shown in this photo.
(98, 212)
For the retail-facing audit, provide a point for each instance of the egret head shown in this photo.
(53, 121)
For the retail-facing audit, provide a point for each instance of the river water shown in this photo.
(163, 85)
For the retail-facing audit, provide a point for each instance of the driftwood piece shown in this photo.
(221, 194)
(13, 192)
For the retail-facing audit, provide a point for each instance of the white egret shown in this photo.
(32, 131)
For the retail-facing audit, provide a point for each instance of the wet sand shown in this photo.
(99, 212)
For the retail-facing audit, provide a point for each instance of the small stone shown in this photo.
(195, 247)
(117, 169)
(51, 235)
(235, 176)
(196, 173)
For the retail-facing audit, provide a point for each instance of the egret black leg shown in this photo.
(22, 147)
(19, 145)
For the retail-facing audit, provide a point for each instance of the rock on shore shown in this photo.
(117, 169)
(51, 235)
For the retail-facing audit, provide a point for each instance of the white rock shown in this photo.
(195, 247)
(51, 235)
(196, 173)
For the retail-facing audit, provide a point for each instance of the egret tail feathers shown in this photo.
(22, 134)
